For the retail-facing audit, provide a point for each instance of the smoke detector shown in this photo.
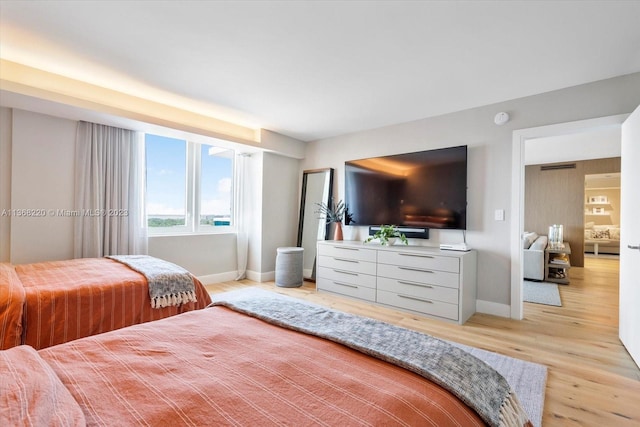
(501, 118)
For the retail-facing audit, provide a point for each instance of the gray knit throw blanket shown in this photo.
(169, 284)
(470, 379)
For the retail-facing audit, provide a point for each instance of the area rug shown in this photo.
(527, 379)
(541, 293)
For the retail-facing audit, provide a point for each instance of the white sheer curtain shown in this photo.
(109, 175)
(242, 215)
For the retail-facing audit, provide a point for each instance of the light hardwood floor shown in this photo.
(592, 380)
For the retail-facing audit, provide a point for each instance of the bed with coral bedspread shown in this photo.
(49, 303)
(222, 366)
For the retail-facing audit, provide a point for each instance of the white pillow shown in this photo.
(614, 233)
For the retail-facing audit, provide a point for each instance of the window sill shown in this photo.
(190, 234)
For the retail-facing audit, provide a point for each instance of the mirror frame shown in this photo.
(303, 202)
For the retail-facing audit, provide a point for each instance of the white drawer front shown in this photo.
(347, 264)
(348, 289)
(420, 260)
(345, 276)
(354, 253)
(419, 275)
(430, 292)
(421, 305)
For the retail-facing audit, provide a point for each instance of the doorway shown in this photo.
(602, 215)
(519, 146)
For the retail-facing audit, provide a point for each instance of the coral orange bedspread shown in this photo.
(71, 299)
(219, 367)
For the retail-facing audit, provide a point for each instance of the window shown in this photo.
(216, 186)
(189, 186)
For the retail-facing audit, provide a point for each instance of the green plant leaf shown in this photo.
(332, 212)
(385, 233)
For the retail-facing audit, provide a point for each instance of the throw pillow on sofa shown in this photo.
(600, 234)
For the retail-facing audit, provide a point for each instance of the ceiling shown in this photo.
(603, 180)
(316, 69)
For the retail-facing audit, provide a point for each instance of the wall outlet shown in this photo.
(499, 215)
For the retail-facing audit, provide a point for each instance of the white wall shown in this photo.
(42, 178)
(272, 186)
(280, 205)
(599, 143)
(5, 182)
(489, 169)
(211, 257)
(254, 197)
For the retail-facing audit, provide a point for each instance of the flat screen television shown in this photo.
(426, 189)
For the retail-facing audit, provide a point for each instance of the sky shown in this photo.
(166, 178)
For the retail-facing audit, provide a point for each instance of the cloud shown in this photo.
(162, 209)
(224, 185)
(215, 207)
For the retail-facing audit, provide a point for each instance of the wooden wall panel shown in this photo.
(557, 197)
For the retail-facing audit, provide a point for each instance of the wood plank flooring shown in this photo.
(592, 380)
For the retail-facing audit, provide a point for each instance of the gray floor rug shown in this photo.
(527, 379)
(541, 293)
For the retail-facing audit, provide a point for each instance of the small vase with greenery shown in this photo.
(387, 235)
(334, 213)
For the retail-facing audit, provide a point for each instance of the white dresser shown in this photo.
(419, 279)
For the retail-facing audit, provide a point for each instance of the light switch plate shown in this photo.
(499, 215)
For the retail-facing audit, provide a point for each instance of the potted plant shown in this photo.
(334, 213)
(387, 235)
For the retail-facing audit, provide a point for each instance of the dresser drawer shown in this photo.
(420, 260)
(348, 252)
(421, 305)
(344, 288)
(347, 264)
(367, 280)
(430, 292)
(419, 275)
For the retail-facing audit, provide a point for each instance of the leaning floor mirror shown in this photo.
(317, 187)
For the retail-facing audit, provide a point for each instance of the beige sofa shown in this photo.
(533, 247)
(601, 239)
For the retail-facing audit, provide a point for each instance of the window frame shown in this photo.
(193, 202)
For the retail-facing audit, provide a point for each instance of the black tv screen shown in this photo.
(422, 189)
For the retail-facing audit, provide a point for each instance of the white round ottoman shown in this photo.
(289, 267)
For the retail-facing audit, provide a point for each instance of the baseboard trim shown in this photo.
(210, 279)
(269, 276)
(494, 308)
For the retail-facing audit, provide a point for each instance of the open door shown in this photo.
(630, 236)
